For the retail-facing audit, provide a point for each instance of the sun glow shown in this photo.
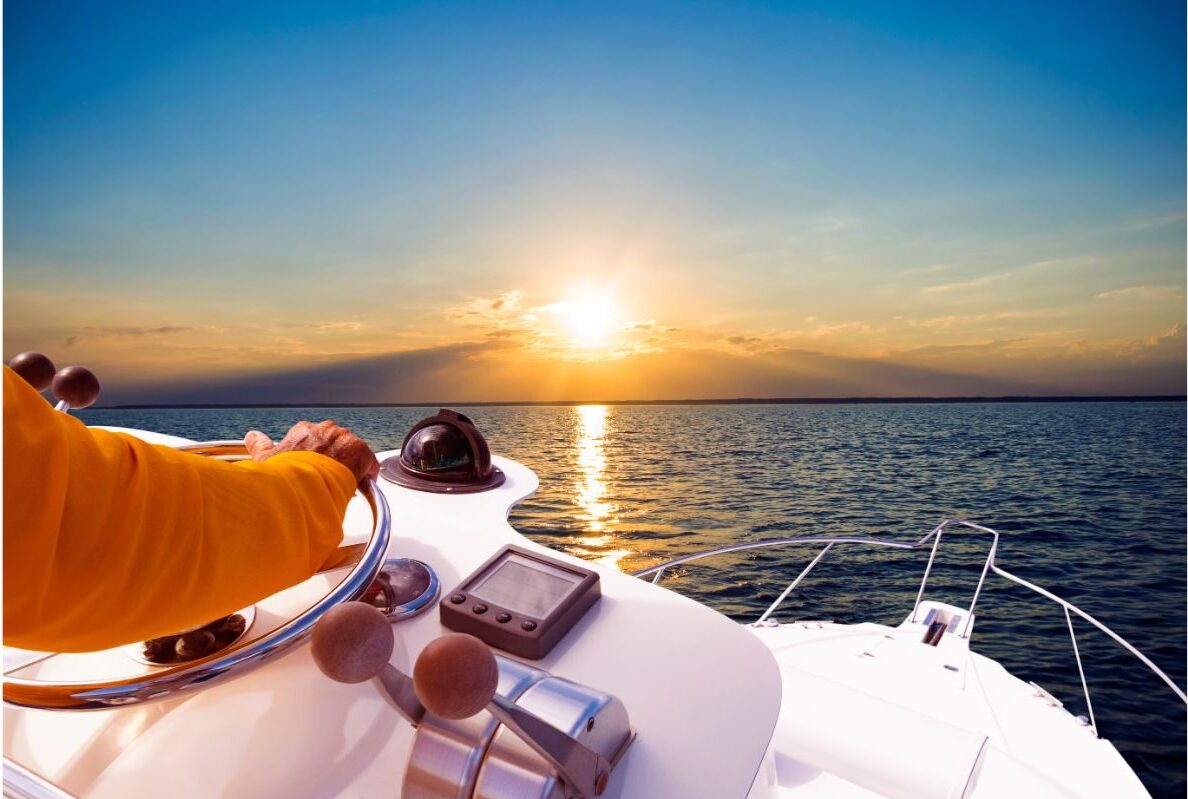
(590, 318)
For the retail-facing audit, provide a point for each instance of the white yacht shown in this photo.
(601, 684)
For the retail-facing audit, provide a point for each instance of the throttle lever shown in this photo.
(73, 387)
(455, 677)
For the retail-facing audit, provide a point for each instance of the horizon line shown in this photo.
(721, 401)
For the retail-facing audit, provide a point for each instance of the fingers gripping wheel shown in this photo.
(239, 658)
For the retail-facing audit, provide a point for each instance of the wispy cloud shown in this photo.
(326, 326)
(1153, 222)
(931, 269)
(966, 285)
(125, 330)
(1057, 263)
(1143, 293)
(1165, 346)
(840, 327)
(995, 316)
(748, 342)
(485, 310)
(982, 281)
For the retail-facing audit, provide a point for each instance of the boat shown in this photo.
(643, 694)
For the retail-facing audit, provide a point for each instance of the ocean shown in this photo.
(1089, 499)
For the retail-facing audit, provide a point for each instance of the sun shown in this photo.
(589, 317)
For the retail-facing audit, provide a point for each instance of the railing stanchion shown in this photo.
(977, 591)
(792, 586)
(659, 574)
(927, 569)
(1081, 670)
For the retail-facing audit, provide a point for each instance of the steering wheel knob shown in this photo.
(352, 642)
(77, 386)
(35, 368)
(456, 676)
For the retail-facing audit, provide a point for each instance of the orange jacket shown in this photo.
(109, 540)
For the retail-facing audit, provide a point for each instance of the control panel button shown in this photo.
(479, 609)
(503, 618)
(529, 625)
(458, 599)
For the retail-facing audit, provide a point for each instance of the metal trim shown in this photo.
(21, 783)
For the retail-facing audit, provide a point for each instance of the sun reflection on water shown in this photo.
(596, 538)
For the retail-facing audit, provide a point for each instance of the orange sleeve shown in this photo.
(110, 540)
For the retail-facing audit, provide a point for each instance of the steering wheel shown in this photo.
(237, 659)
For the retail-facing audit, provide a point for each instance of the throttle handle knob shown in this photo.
(352, 642)
(76, 386)
(456, 676)
(35, 368)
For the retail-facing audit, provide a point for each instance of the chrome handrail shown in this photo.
(935, 536)
(21, 783)
(221, 666)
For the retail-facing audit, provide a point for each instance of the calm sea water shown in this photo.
(1089, 499)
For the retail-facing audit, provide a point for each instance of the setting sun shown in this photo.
(590, 319)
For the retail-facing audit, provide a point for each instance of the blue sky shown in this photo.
(990, 192)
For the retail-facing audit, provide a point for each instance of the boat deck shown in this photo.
(919, 720)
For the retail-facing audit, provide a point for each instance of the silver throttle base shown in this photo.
(481, 758)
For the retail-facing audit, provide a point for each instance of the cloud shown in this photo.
(1143, 293)
(428, 374)
(965, 285)
(1166, 346)
(840, 327)
(950, 349)
(125, 330)
(512, 333)
(994, 316)
(326, 326)
(486, 310)
(1057, 263)
(650, 326)
(931, 269)
(836, 223)
(473, 372)
(987, 280)
(1153, 222)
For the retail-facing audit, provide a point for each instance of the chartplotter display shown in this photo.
(521, 601)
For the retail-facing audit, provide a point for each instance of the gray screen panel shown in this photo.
(524, 589)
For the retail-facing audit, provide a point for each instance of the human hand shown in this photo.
(326, 438)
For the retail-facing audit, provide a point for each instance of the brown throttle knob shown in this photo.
(456, 676)
(35, 368)
(76, 386)
(352, 642)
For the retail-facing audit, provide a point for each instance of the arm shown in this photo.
(110, 540)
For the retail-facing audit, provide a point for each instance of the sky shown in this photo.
(392, 202)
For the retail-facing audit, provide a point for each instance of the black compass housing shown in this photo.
(444, 454)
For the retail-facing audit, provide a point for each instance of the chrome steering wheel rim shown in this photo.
(238, 659)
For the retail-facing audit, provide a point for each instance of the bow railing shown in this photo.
(935, 535)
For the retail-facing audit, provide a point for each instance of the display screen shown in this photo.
(524, 586)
